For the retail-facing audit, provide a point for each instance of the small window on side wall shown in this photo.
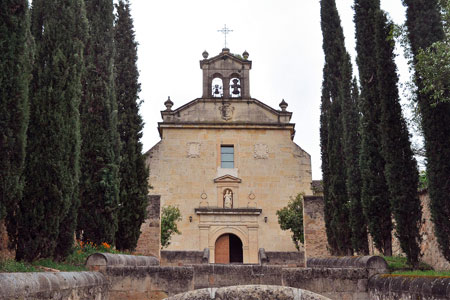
(227, 157)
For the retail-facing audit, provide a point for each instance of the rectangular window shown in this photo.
(227, 157)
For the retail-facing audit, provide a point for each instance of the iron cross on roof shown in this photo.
(225, 31)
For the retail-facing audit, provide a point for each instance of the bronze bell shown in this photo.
(236, 87)
(216, 91)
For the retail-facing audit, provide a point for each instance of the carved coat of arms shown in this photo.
(226, 111)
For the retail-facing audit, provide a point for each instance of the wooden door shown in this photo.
(222, 250)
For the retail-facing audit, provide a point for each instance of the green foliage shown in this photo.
(328, 208)
(374, 193)
(400, 263)
(336, 91)
(74, 262)
(170, 215)
(82, 250)
(401, 167)
(424, 273)
(16, 51)
(133, 171)
(352, 144)
(53, 149)
(64, 267)
(423, 181)
(290, 218)
(433, 63)
(10, 266)
(100, 151)
(424, 29)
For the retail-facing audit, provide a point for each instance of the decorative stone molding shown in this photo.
(227, 211)
(226, 111)
(193, 150)
(261, 151)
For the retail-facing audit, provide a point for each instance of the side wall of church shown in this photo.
(272, 168)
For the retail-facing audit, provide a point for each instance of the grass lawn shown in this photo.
(399, 266)
(73, 263)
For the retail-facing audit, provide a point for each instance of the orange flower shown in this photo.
(106, 245)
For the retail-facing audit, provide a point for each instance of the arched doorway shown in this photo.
(228, 249)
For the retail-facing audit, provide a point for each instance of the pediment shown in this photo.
(218, 60)
(250, 111)
(227, 179)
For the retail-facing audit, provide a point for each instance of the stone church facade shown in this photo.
(228, 162)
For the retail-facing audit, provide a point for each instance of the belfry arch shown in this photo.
(230, 68)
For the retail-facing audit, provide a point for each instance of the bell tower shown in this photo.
(226, 75)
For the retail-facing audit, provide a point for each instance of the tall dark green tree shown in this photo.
(52, 164)
(100, 150)
(424, 28)
(374, 193)
(352, 147)
(328, 205)
(15, 67)
(133, 172)
(337, 77)
(401, 168)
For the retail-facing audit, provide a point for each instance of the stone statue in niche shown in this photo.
(228, 198)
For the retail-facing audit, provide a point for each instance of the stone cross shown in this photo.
(225, 31)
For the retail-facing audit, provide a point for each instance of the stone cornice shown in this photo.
(227, 211)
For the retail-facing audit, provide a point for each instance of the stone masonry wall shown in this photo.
(316, 239)
(395, 287)
(49, 286)
(270, 169)
(181, 258)
(149, 240)
(139, 278)
(429, 248)
(314, 227)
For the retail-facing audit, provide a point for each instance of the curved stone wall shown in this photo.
(366, 262)
(249, 292)
(61, 285)
(120, 260)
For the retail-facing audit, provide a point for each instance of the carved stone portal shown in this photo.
(227, 198)
(261, 151)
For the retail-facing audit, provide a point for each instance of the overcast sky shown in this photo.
(283, 38)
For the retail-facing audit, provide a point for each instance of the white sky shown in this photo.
(283, 38)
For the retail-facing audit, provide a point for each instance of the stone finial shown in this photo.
(245, 55)
(205, 54)
(225, 50)
(283, 105)
(168, 104)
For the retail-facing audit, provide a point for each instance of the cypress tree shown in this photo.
(52, 163)
(133, 172)
(16, 48)
(337, 77)
(401, 167)
(424, 28)
(374, 193)
(352, 142)
(100, 150)
(328, 205)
